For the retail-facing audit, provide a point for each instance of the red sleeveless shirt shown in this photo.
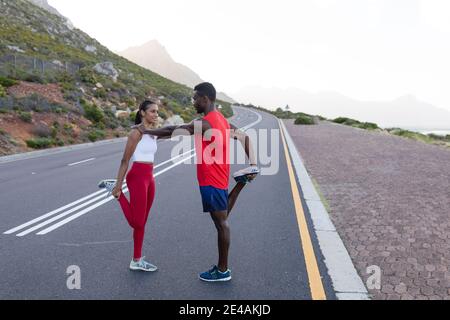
(213, 152)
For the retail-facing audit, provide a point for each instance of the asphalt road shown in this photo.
(57, 196)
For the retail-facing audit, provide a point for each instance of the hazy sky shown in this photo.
(365, 49)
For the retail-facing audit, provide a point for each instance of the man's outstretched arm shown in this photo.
(247, 145)
(245, 141)
(170, 131)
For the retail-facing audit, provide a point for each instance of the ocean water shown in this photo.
(429, 131)
(438, 132)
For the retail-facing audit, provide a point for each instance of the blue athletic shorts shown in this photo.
(214, 199)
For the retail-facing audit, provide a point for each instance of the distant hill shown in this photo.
(405, 112)
(153, 56)
(59, 86)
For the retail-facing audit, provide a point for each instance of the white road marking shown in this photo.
(45, 216)
(87, 210)
(52, 213)
(80, 162)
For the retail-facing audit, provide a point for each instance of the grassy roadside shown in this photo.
(319, 192)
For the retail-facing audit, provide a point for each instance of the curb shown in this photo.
(346, 282)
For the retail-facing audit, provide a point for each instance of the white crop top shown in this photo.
(145, 149)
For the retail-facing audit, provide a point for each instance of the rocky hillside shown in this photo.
(44, 5)
(59, 86)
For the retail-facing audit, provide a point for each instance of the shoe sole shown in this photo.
(246, 175)
(216, 280)
(244, 178)
(142, 269)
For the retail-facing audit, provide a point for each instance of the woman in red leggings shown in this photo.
(140, 149)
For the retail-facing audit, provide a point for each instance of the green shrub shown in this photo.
(59, 142)
(226, 110)
(340, 120)
(281, 114)
(411, 135)
(110, 120)
(2, 91)
(117, 86)
(54, 133)
(100, 93)
(68, 87)
(35, 78)
(25, 116)
(133, 116)
(100, 125)
(346, 121)
(68, 128)
(96, 134)
(93, 113)
(126, 122)
(438, 137)
(6, 82)
(304, 120)
(128, 100)
(368, 126)
(66, 80)
(87, 75)
(40, 143)
(59, 110)
(356, 123)
(36, 109)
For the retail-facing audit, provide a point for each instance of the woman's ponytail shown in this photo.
(138, 119)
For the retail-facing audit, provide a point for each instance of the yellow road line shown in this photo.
(315, 280)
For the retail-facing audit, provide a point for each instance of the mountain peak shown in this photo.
(154, 42)
(154, 56)
(44, 5)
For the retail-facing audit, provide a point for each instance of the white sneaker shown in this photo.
(142, 265)
(243, 175)
(108, 184)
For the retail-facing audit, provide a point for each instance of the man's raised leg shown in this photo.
(234, 195)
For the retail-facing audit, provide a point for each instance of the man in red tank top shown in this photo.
(213, 169)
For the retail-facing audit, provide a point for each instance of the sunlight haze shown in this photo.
(364, 49)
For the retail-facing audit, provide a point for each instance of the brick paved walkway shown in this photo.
(389, 198)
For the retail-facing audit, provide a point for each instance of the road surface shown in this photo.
(53, 216)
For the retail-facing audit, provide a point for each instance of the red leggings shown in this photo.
(141, 186)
